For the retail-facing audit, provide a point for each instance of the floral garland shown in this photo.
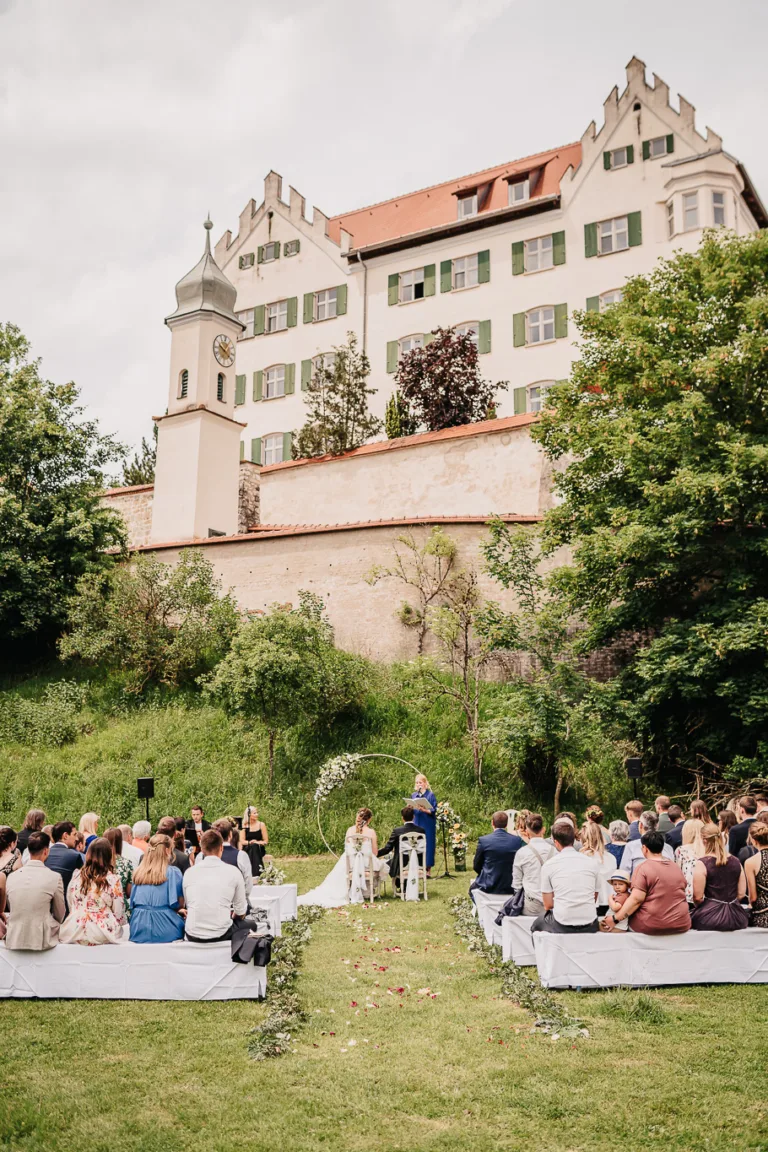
(334, 773)
(274, 1035)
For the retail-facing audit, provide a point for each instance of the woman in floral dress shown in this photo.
(689, 852)
(96, 901)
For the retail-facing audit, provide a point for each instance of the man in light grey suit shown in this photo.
(36, 901)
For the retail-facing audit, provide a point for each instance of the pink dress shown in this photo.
(95, 918)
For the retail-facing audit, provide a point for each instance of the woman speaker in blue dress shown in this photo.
(426, 819)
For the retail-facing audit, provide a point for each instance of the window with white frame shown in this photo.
(272, 449)
(690, 211)
(277, 316)
(325, 304)
(718, 208)
(619, 158)
(613, 235)
(471, 329)
(412, 285)
(271, 251)
(538, 254)
(467, 206)
(246, 319)
(540, 324)
(537, 393)
(409, 343)
(608, 298)
(657, 147)
(519, 191)
(325, 361)
(670, 218)
(274, 382)
(465, 272)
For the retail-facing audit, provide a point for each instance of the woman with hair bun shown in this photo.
(362, 827)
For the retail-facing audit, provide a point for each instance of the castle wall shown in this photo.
(135, 507)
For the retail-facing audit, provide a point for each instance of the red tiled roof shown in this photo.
(436, 205)
(130, 488)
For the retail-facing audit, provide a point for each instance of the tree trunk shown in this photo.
(558, 789)
(271, 757)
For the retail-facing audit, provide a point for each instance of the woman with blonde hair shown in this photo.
(592, 844)
(425, 818)
(362, 827)
(157, 902)
(95, 899)
(719, 885)
(256, 838)
(689, 852)
(89, 826)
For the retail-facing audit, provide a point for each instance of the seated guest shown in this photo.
(634, 810)
(633, 853)
(528, 861)
(179, 859)
(725, 821)
(616, 901)
(214, 894)
(569, 886)
(121, 865)
(157, 896)
(495, 857)
(36, 899)
(619, 833)
(89, 826)
(719, 884)
(142, 830)
(63, 858)
(129, 851)
(232, 854)
(592, 844)
(96, 903)
(657, 903)
(33, 822)
(689, 852)
(196, 826)
(3, 902)
(10, 856)
(392, 846)
(662, 804)
(737, 837)
(594, 815)
(756, 872)
(675, 835)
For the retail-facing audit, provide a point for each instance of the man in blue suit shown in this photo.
(495, 856)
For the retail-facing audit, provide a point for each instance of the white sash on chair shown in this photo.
(357, 881)
(412, 879)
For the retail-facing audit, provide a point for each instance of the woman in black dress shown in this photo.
(256, 838)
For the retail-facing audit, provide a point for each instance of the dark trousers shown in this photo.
(547, 923)
(238, 922)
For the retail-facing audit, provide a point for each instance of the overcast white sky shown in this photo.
(121, 125)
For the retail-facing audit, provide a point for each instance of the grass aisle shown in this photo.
(409, 1046)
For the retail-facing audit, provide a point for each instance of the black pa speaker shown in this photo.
(634, 767)
(146, 786)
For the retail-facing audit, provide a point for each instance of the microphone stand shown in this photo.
(446, 875)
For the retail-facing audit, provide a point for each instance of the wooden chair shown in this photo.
(413, 842)
(356, 846)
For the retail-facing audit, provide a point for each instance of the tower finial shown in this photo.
(208, 224)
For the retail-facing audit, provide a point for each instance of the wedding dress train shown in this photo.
(334, 890)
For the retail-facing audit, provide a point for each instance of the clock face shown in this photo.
(224, 351)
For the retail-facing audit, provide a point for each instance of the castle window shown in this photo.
(272, 449)
(465, 272)
(538, 254)
(619, 157)
(412, 285)
(246, 318)
(269, 252)
(246, 260)
(718, 209)
(325, 304)
(670, 218)
(183, 384)
(659, 146)
(326, 362)
(410, 343)
(471, 329)
(613, 235)
(274, 382)
(467, 206)
(220, 387)
(690, 211)
(277, 316)
(540, 325)
(608, 298)
(519, 191)
(537, 394)
(291, 248)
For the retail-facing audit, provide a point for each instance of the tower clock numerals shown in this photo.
(224, 350)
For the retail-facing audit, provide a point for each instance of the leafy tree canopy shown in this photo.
(52, 529)
(337, 402)
(440, 385)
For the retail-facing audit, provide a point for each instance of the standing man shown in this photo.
(495, 857)
(36, 898)
(569, 886)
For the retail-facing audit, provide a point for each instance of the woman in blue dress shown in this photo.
(426, 820)
(156, 896)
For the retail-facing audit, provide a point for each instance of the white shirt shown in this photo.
(633, 855)
(213, 890)
(526, 870)
(572, 878)
(130, 853)
(243, 863)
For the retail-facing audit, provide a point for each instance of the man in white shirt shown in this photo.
(231, 854)
(633, 853)
(214, 894)
(526, 870)
(128, 850)
(569, 885)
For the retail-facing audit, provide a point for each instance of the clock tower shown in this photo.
(198, 443)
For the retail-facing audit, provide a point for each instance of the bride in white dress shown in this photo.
(334, 890)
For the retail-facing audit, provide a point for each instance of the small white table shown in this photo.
(284, 895)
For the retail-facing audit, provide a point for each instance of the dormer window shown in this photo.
(220, 387)
(519, 191)
(183, 384)
(467, 206)
(658, 147)
(269, 252)
(619, 157)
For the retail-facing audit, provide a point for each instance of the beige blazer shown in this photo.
(36, 907)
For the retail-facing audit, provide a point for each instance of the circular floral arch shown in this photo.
(335, 773)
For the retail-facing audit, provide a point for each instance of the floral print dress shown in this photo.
(124, 871)
(94, 917)
(686, 858)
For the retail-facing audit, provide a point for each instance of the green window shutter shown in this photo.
(259, 320)
(277, 251)
(290, 379)
(646, 149)
(429, 280)
(607, 161)
(520, 397)
(484, 337)
(309, 307)
(634, 229)
(341, 300)
(590, 239)
(306, 374)
(241, 262)
(518, 329)
(427, 338)
(558, 247)
(393, 288)
(260, 255)
(287, 445)
(670, 143)
(630, 153)
(518, 258)
(258, 385)
(392, 356)
(239, 389)
(242, 450)
(446, 275)
(561, 321)
(484, 267)
(593, 303)
(256, 450)
(293, 311)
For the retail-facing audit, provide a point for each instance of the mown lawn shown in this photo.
(385, 1064)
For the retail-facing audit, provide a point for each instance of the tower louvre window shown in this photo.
(183, 384)
(220, 387)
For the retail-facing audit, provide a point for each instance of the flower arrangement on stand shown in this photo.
(459, 847)
(450, 823)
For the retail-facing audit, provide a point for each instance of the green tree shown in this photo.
(284, 670)
(397, 418)
(337, 402)
(140, 469)
(663, 427)
(441, 384)
(160, 624)
(52, 527)
(426, 567)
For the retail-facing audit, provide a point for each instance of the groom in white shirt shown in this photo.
(214, 894)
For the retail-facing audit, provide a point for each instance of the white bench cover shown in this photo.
(632, 959)
(487, 918)
(483, 900)
(125, 971)
(286, 895)
(516, 940)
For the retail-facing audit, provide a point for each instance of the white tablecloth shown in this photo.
(516, 939)
(180, 971)
(605, 960)
(286, 895)
(483, 900)
(487, 917)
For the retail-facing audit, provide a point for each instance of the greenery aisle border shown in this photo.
(550, 1016)
(273, 1036)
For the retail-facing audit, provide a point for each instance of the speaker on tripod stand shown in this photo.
(146, 789)
(634, 767)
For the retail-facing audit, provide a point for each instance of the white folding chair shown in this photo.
(411, 842)
(358, 852)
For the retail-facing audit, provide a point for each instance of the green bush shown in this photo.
(55, 719)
